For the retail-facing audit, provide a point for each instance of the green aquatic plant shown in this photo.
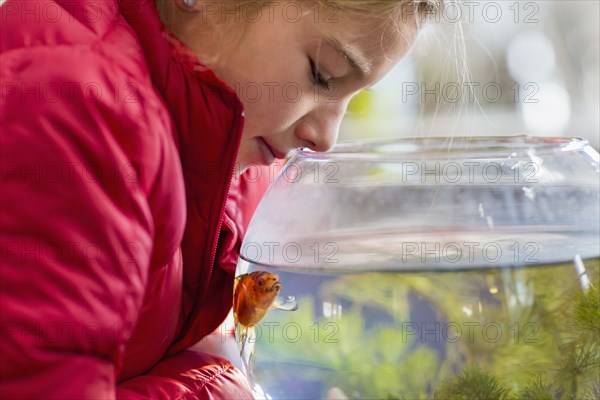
(539, 326)
(472, 383)
(578, 369)
(586, 312)
(576, 358)
(592, 391)
(540, 389)
(365, 363)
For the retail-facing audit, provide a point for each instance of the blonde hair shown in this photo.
(393, 13)
(423, 10)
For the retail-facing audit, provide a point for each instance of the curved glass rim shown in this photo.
(458, 146)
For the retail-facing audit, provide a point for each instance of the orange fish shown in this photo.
(254, 294)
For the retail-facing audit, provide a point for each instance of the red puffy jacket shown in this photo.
(117, 250)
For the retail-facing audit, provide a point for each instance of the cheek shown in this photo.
(276, 92)
(274, 108)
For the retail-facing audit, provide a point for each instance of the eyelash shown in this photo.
(318, 78)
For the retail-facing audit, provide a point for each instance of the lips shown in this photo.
(272, 151)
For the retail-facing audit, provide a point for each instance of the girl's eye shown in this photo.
(318, 78)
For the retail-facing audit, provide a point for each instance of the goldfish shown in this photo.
(254, 294)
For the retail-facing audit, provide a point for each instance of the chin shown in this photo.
(243, 166)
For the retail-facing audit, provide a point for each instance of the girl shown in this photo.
(126, 130)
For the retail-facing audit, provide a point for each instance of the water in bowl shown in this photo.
(527, 329)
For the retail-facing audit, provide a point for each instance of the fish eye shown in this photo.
(261, 282)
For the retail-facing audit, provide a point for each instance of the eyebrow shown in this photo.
(359, 63)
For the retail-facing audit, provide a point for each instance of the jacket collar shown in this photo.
(207, 124)
(185, 83)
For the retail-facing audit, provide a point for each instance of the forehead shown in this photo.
(377, 42)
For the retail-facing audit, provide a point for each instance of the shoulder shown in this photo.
(27, 24)
(77, 40)
(69, 43)
(76, 68)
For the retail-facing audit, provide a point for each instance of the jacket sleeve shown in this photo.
(75, 229)
(188, 375)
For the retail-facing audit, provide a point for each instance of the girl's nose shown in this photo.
(319, 129)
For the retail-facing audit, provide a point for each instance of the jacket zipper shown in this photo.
(240, 129)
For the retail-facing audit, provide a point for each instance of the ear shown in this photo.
(187, 5)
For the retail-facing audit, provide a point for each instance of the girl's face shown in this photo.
(295, 67)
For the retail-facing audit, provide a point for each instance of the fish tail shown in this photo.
(243, 338)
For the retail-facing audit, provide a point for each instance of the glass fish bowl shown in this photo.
(435, 268)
